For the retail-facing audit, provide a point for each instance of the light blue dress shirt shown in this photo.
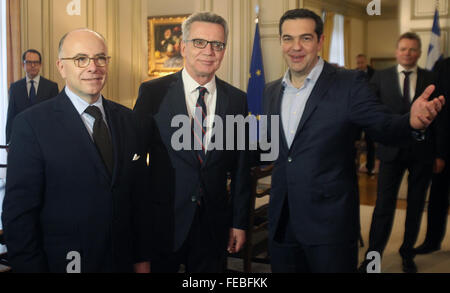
(294, 100)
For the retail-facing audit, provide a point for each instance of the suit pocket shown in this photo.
(330, 191)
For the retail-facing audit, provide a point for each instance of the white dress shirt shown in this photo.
(191, 94)
(37, 79)
(412, 80)
(81, 105)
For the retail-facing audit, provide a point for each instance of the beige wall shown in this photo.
(382, 38)
(417, 16)
(123, 23)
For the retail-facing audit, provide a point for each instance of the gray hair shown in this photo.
(204, 17)
(61, 42)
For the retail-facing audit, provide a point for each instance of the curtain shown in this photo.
(347, 42)
(3, 105)
(327, 31)
(13, 40)
(337, 55)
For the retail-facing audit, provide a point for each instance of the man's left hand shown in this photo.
(237, 240)
(423, 111)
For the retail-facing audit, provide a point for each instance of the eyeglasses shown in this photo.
(27, 62)
(84, 61)
(201, 44)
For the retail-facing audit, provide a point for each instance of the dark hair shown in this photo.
(410, 36)
(303, 13)
(31, 51)
(361, 55)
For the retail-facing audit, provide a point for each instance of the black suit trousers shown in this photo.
(288, 255)
(197, 252)
(389, 180)
(438, 208)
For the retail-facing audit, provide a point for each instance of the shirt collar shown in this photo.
(401, 68)
(190, 85)
(36, 79)
(81, 105)
(313, 76)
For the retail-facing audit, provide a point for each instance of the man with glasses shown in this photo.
(28, 91)
(73, 201)
(196, 219)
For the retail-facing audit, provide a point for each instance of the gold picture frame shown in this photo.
(164, 39)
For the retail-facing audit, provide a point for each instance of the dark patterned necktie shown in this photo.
(32, 95)
(198, 127)
(102, 138)
(406, 90)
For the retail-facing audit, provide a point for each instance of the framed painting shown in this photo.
(164, 38)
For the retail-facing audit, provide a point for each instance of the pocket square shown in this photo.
(136, 157)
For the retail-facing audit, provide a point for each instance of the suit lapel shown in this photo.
(41, 88)
(74, 128)
(116, 139)
(420, 86)
(175, 105)
(277, 93)
(24, 91)
(394, 76)
(320, 89)
(222, 103)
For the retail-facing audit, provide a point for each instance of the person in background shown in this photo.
(399, 87)
(30, 90)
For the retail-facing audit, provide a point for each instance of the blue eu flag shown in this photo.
(256, 80)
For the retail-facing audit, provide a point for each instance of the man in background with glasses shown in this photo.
(73, 201)
(197, 219)
(28, 91)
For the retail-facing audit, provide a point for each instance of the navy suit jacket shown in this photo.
(174, 176)
(317, 174)
(60, 198)
(386, 85)
(19, 101)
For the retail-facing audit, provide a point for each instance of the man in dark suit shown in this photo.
(398, 87)
(361, 64)
(314, 208)
(196, 218)
(78, 205)
(439, 194)
(29, 91)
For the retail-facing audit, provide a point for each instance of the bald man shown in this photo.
(76, 206)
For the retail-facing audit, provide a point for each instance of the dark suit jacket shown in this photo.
(317, 174)
(442, 68)
(60, 198)
(19, 101)
(370, 72)
(386, 85)
(174, 176)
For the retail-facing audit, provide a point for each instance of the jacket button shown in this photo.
(290, 160)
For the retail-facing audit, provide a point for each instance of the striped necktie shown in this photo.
(198, 127)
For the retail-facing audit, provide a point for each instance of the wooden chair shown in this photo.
(257, 216)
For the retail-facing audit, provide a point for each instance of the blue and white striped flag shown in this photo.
(434, 50)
